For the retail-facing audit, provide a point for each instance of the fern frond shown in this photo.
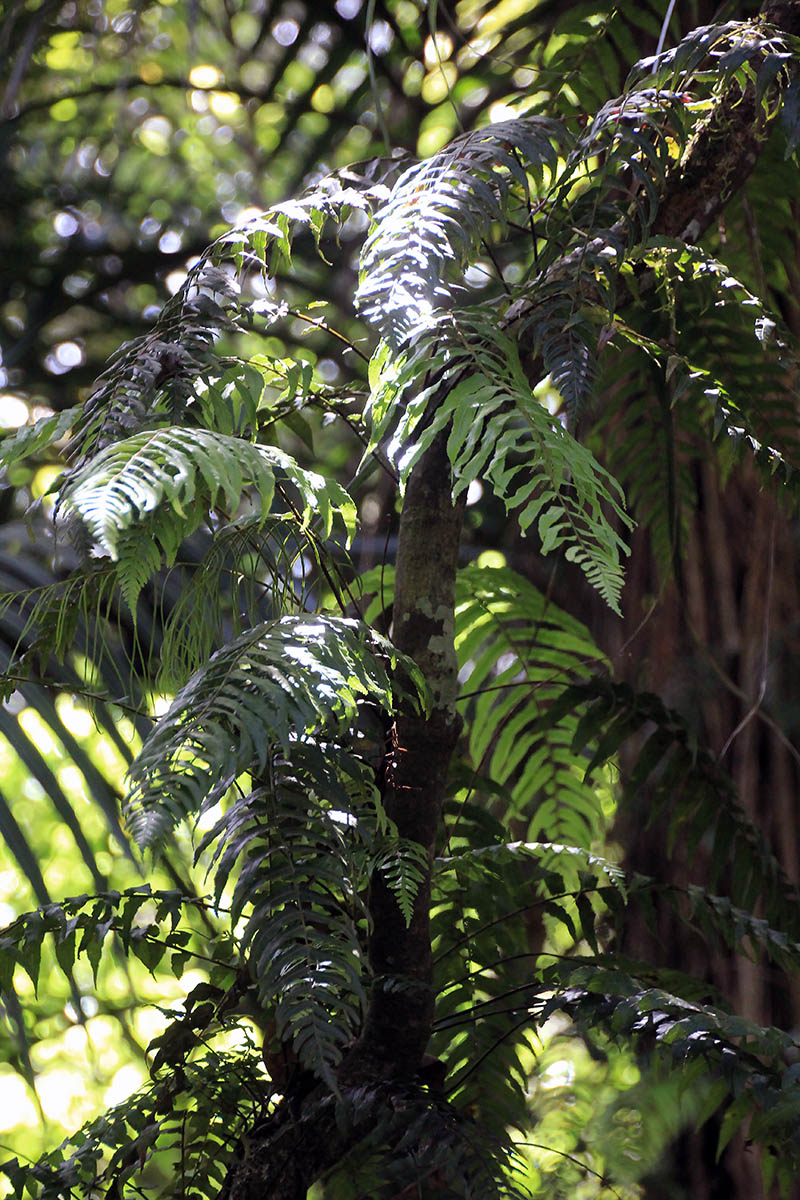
(273, 685)
(304, 846)
(153, 379)
(748, 1060)
(499, 431)
(203, 1110)
(141, 497)
(505, 991)
(719, 52)
(439, 213)
(686, 781)
(42, 434)
(245, 575)
(651, 457)
(146, 922)
(303, 867)
(516, 649)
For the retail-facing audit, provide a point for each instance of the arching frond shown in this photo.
(273, 685)
(499, 431)
(41, 434)
(203, 1109)
(246, 573)
(141, 497)
(154, 377)
(146, 921)
(516, 649)
(734, 49)
(302, 847)
(517, 652)
(688, 784)
(439, 213)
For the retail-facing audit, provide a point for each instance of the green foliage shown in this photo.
(156, 1128)
(438, 215)
(276, 684)
(492, 274)
(302, 848)
(80, 925)
(496, 429)
(140, 498)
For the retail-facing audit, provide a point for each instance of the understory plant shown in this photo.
(399, 781)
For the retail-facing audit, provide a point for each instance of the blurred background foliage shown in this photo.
(131, 134)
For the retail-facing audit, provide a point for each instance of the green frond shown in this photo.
(748, 1060)
(404, 865)
(510, 988)
(273, 685)
(646, 435)
(40, 435)
(154, 378)
(46, 618)
(687, 783)
(245, 573)
(303, 865)
(203, 1109)
(728, 350)
(729, 49)
(303, 847)
(499, 431)
(516, 650)
(437, 216)
(141, 497)
(146, 922)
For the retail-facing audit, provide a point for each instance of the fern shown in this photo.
(79, 926)
(719, 52)
(31, 439)
(276, 683)
(500, 431)
(686, 781)
(225, 1091)
(245, 572)
(303, 847)
(440, 211)
(141, 497)
(510, 990)
(517, 651)
(275, 730)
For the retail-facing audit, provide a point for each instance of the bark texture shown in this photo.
(400, 1013)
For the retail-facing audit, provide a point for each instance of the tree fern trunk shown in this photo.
(399, 1019)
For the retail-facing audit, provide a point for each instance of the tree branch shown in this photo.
(723, 152)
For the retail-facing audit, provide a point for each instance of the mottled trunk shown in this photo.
(399, 1019)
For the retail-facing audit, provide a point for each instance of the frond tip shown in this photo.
(438, 212)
